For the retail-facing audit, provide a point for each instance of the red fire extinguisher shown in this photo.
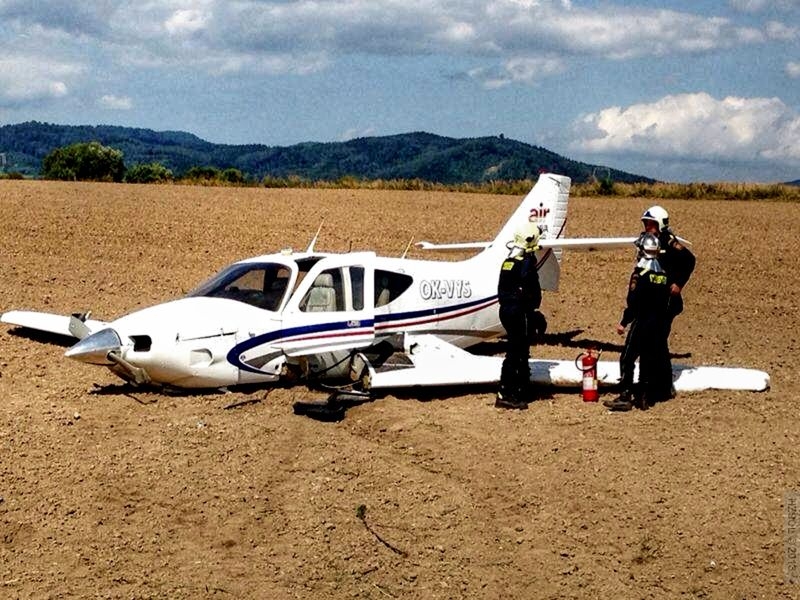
(588, 366)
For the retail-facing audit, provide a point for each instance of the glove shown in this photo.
(537, 326)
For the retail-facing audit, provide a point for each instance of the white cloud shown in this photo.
(186, 21)
(89, 19)
(755, 6)
(502, 30)
(113, 102)
(629, 33)
(780, 31)
(695, 127)
(56, 89)
(793, 69)
(353, 133)
(24, 78)
(458, 33)
(526, 70)
(511, 36)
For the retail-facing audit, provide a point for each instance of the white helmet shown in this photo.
(649, 248)
(657, 214)
(526, 238)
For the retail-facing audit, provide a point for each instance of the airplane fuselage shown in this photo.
(275, 315)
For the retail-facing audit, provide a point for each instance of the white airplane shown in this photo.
(378, 322)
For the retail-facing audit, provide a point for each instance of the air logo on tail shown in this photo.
(538, 213)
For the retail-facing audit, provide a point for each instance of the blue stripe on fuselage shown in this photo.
(443, 312)
(429, 312)
(281, 334)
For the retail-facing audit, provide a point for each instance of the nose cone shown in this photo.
(94, 349)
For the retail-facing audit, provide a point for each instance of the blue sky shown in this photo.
(699, 91)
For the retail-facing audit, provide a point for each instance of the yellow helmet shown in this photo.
(526, 237)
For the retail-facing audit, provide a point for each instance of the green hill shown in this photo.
(415, 155)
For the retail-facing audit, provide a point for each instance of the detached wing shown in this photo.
(691, 379)
(431, 361)
(434, 362)
(75, 326)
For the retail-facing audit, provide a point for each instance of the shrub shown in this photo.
(148, 173)
(84, 161)
(232, 176)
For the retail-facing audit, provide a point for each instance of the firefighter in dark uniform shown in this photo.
(647, 313)
(675, 258)
(519, 295)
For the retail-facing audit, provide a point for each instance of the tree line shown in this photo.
(415, 155)
(92, 161)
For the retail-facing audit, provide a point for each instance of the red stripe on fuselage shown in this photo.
(321, 336)
(435, 318)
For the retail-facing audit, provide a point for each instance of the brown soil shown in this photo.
(111, 493)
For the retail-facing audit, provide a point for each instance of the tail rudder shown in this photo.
(555, 222)
(545, 205)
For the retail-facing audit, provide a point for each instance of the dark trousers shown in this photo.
(515, 373)
(647, 341)
(674, 308)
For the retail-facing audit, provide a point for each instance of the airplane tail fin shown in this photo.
(545, 205)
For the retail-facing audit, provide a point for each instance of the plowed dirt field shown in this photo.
(109, 492)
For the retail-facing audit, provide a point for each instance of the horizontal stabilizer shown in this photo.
(50, 323)
(452, 247)
(438, 363)
(595, 243)
(588, 243)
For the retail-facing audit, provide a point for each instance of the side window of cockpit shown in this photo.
(247, 288)
(303, 267)
(325, 294)
(260, 286)
(276, 281)
(389, 286)
(357, 287)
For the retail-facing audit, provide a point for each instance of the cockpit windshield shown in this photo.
(263, 285)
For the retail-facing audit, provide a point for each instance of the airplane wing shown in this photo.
(71, 326)
(595, 243)
(452, 247)
(434, 362)
(571, 243)
(587, 243)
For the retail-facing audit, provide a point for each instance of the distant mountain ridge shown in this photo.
(416, 155)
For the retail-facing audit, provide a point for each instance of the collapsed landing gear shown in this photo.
(333, 408)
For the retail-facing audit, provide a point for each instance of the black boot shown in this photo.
(622, 403)
(505, 400)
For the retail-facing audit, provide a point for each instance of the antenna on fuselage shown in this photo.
(316, 235)
(408, 247)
